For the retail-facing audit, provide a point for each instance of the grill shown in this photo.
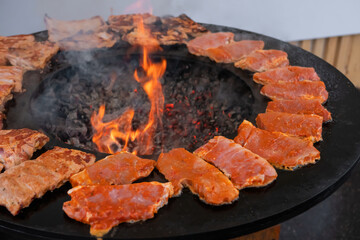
(234, 96)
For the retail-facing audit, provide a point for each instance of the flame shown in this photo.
(109, 135)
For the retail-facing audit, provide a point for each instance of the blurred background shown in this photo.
(329, 29)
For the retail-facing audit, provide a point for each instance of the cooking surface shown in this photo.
(290, 194)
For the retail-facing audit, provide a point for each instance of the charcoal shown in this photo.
(201, 101)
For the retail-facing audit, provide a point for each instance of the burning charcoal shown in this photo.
(201, 101)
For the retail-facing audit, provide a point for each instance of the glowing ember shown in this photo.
(109, 136)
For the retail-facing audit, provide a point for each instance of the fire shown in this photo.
(108, 136)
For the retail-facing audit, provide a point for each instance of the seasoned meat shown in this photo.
(286, 74)
(281, 150)
(32, 179)
(307, 126)
(183, 168)
(5, 94)
(199, 45)
(32, 56)
(165, 30)
(18, 145)
(263, 60)
(243, 167)
(234, 51)
(80, 34)
(105, 206)
(304, 89)
(300, 106)
(12, 42)
(121, 168)
(12, 75)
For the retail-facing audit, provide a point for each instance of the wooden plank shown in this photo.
(272, 233)
(353, 66)
(342, 59)
(331, 49)
(319, 47)
(296, 43)
(306, 45)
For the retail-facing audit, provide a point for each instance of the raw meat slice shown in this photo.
(234, 51)
(105, 206)
(121, 168)
(183, 168)
(307, 126)
(263, 60)
(243, 167)
(32, 179)
(199, 45)
(18, 145)
(300, 106)
(281, 150)
(304, 89)
(286, 74)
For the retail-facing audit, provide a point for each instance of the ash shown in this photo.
(201, 101)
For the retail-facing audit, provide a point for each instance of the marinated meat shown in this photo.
(199, 45)
(165, 30)
(300, 106)
(105, 206)
(183, 168)
(32, 179)
(11, 42)
(121, 168)
(5, 95)
(281, 150)
(80, 34)
(12, 75)
(18, 145)
(126, 23)
(304, 89)
(286, 74)
(263, 60)
(234, 51)
(243, 167)
(33, 56)
(307, 126)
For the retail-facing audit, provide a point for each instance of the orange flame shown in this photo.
(107, 136)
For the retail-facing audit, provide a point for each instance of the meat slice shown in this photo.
(281, 150)
(286, 74)
(18, 145)
(32, 56)
(166, 30)
(300, 106)
(121, 168)
(263, 60)
(5, 94)
(307, 126)
(304, 89)
(234, 51)
(80, 34)
(243, 167)
(199, 45)
(32, 179)
(10, 42)
(12, 75)
(183, 168)
(105, 206)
